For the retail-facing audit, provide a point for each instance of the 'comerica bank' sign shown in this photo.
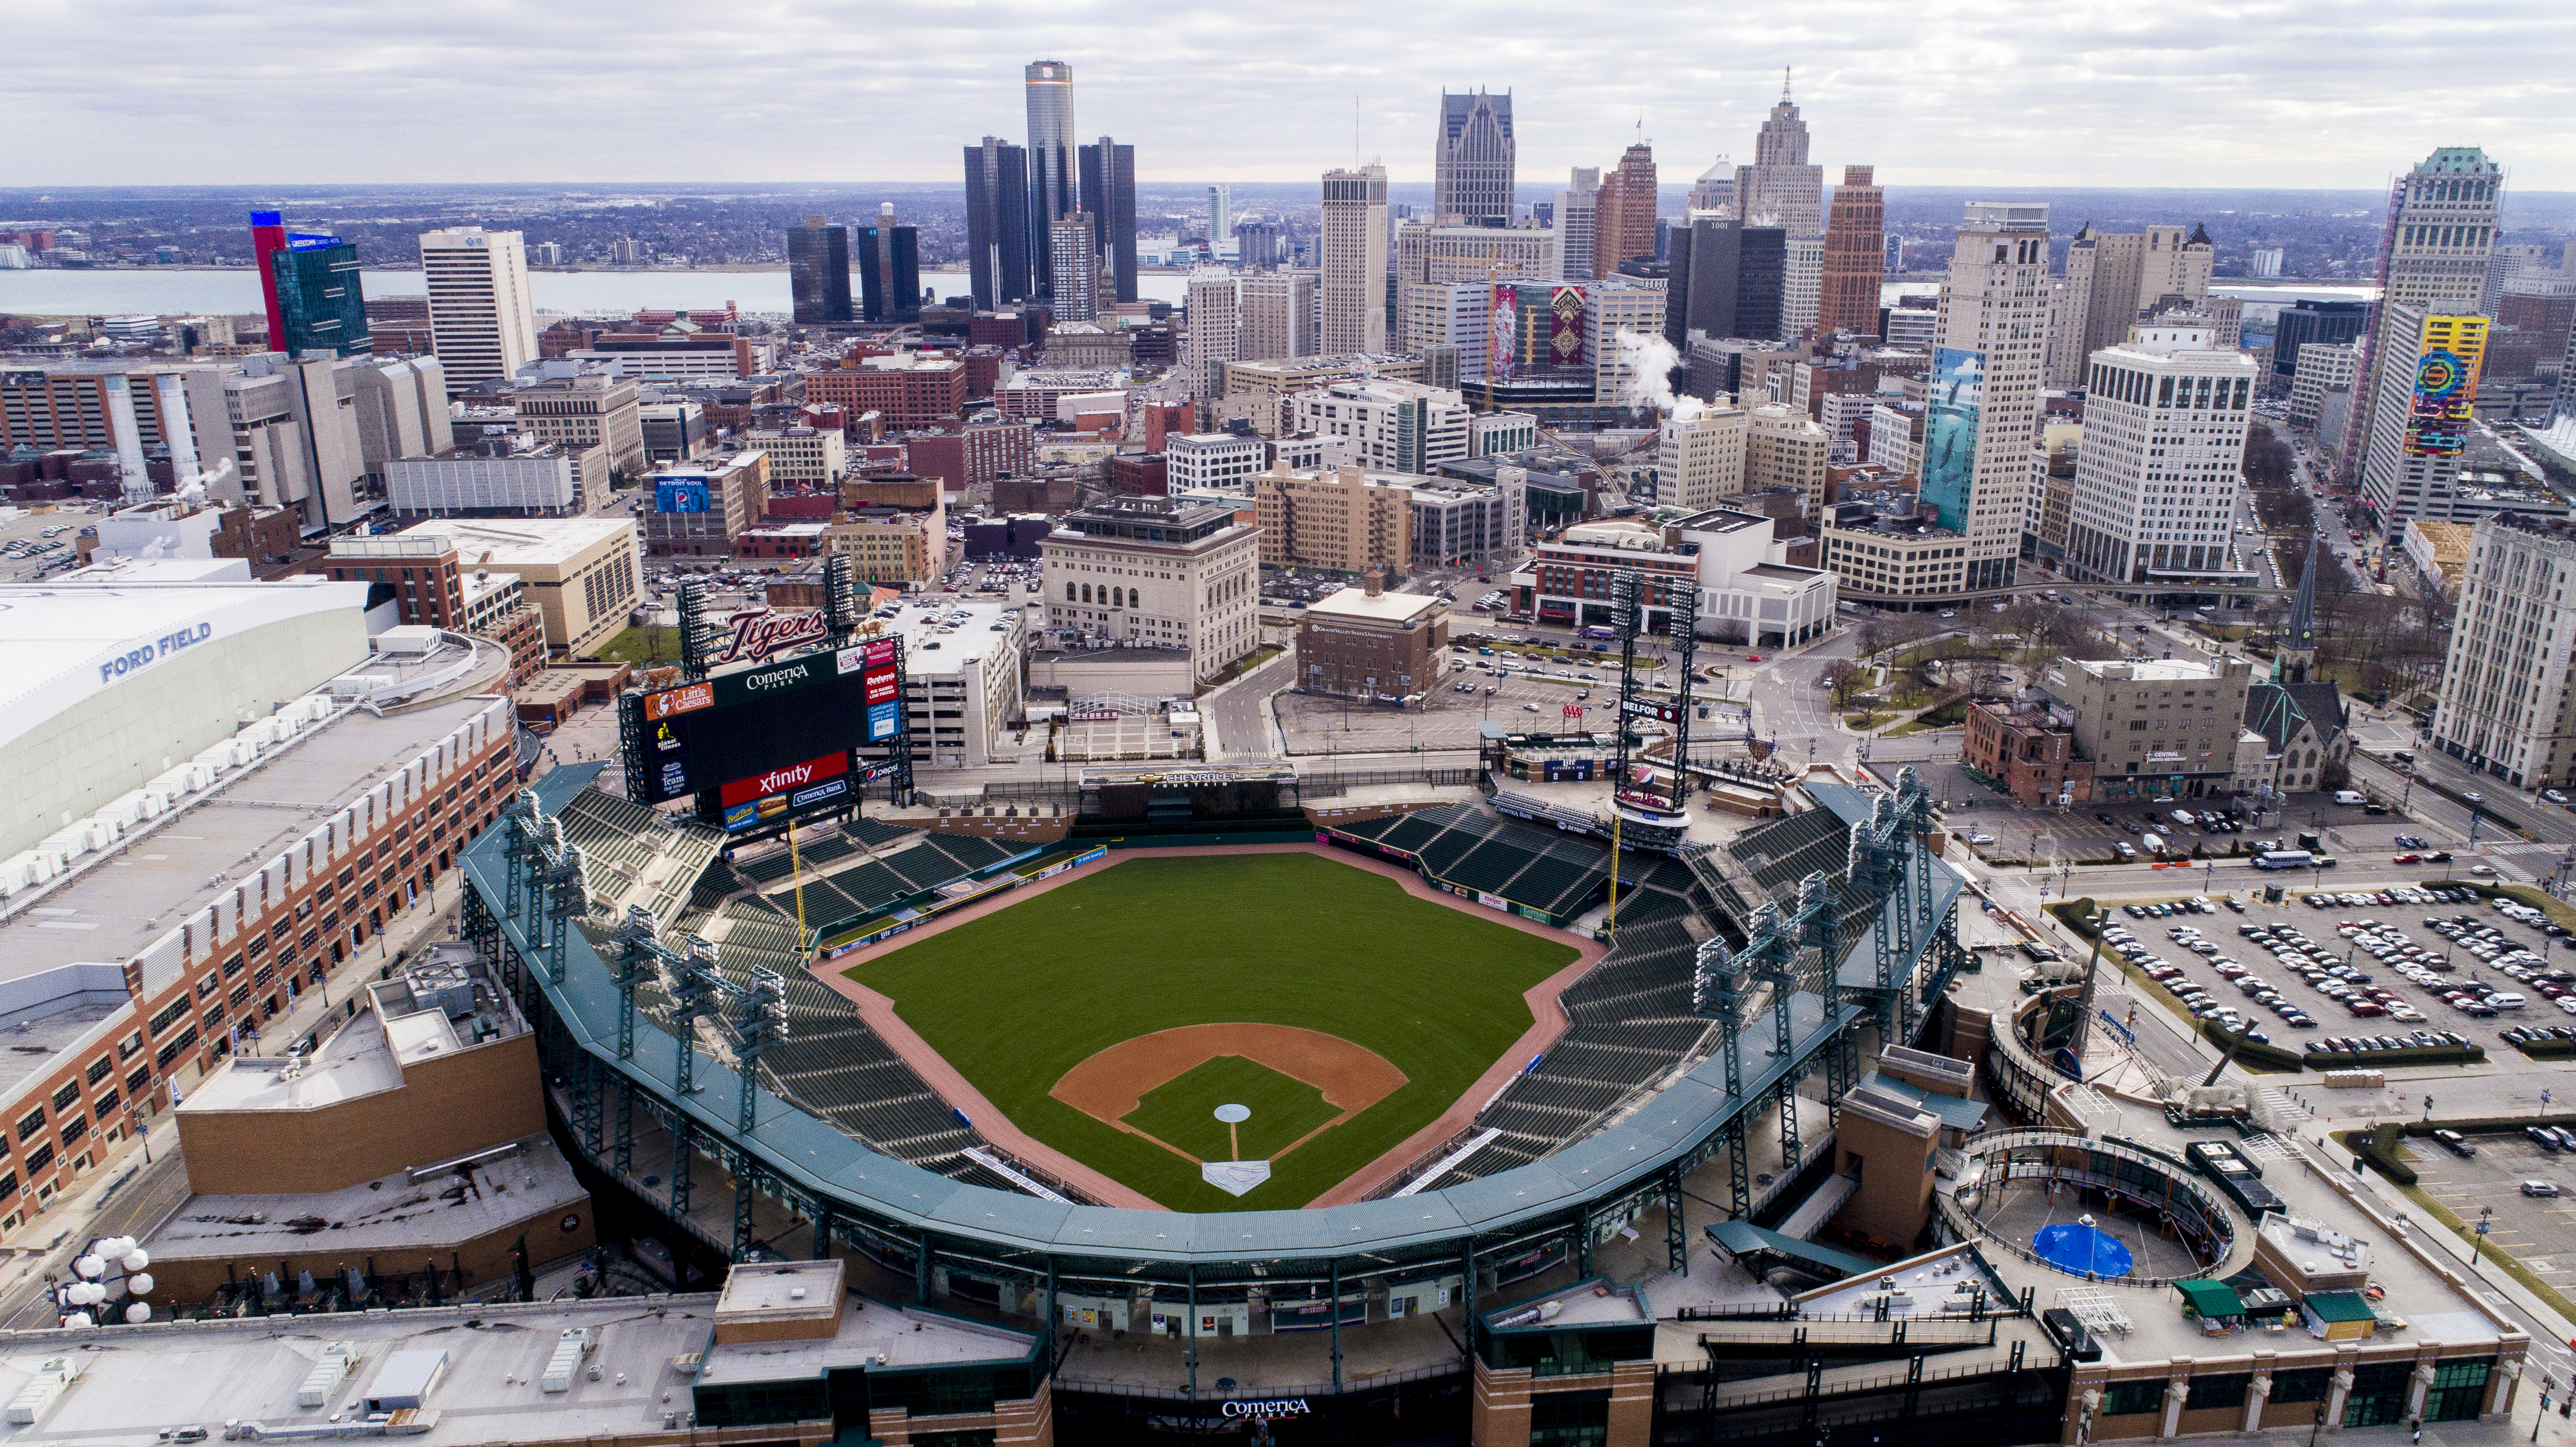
(144, 655)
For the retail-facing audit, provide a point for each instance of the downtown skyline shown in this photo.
(2311, 96)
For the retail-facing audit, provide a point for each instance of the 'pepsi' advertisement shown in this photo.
(679, 494)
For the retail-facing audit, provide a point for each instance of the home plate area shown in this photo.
(1230, 1097)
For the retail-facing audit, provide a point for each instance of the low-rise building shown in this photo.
(1747, 590)
(1225, 460)
(561, 402)
(988, 447)
(1884, 553)
(505, 476)
(423, 578)
(907, 390)
(1088, 345)
(1341, 519)
(699, 509)
(2031, 752)
(1155, 571)
(1463, 522)
(583, 574)
(2440, 552)
(1365, 642)
(801, 457)
(889, 545)
(1035, 394)
(2155, 728)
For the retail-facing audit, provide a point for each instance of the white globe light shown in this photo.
(136, 1258)
(78, 1318)
(92, 1293)
(89, 1266)
(138, 1313)
(140, 1283)
(115, 1246)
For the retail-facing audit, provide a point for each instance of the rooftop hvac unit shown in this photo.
(406, 1379)
(82, 837)
(311, 708)
(411, 639)
(329, 1369)
(570, 1347)
(127, 809)
(188, 778)
(27, 869)
(49, 1383)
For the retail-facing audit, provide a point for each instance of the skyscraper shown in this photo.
(1220, 216)
(889, 269)
(1780, 188)
(1073, 254)
(1472, 163)
(1215, 330)
(1990, 342)
(1275, 315)
(2157, 478)
(2421, 380)
(2442, 228)
(1109, 192)
(1802, 286)
(1351, 245)
(310, 282)
(1623, 225)
(1576, 208)
(2110, 277)
(482, 325)
(997, 224)
(1715, 189)
(1854, 256)
(1054, 184)
(818, 271)
(1725, 279)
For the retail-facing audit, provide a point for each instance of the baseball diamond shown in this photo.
(1392, 1005)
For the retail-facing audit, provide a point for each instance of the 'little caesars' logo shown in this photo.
(759, 636)
(145, 655)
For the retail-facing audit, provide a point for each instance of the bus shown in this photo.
(2284, 859)
(1604, 634)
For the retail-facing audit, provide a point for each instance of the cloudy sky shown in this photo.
(2294, 93)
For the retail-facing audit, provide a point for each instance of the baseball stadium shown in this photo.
(1242, 1106)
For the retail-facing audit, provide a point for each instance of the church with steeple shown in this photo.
(2305, 724)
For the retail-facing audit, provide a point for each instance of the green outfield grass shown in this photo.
(1016, 999)
(1182, 1112)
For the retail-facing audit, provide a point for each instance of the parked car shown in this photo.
(2454, 1142)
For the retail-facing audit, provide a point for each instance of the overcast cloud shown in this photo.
(2298, 93)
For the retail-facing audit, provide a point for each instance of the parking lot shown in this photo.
(2096, 830)
(39, 545)
(1533, 697)
(2356, 972)
(2538, 1231)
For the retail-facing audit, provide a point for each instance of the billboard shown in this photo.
(1503, 332)
(773, 741)
(1950, 434)
(2446, 384)
(679, 494)
(1568, 313)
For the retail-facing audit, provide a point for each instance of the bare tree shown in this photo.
(1840, 679)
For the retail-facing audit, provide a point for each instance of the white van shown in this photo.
(2153, 844)
(2351, 796)
(2507, 1001)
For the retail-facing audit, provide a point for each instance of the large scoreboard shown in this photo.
(767, 745)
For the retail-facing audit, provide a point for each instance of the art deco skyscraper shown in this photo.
(1780, 188)
(1624, 219)
(1109, 192)
(1855, 256)
(1990, 343)
(2444, 224)
(1472, 165)
(1351, 307)
(997, 224)
(1054, 183)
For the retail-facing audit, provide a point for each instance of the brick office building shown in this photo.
(2029, 752)
(1364, 642)
(908, 390)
